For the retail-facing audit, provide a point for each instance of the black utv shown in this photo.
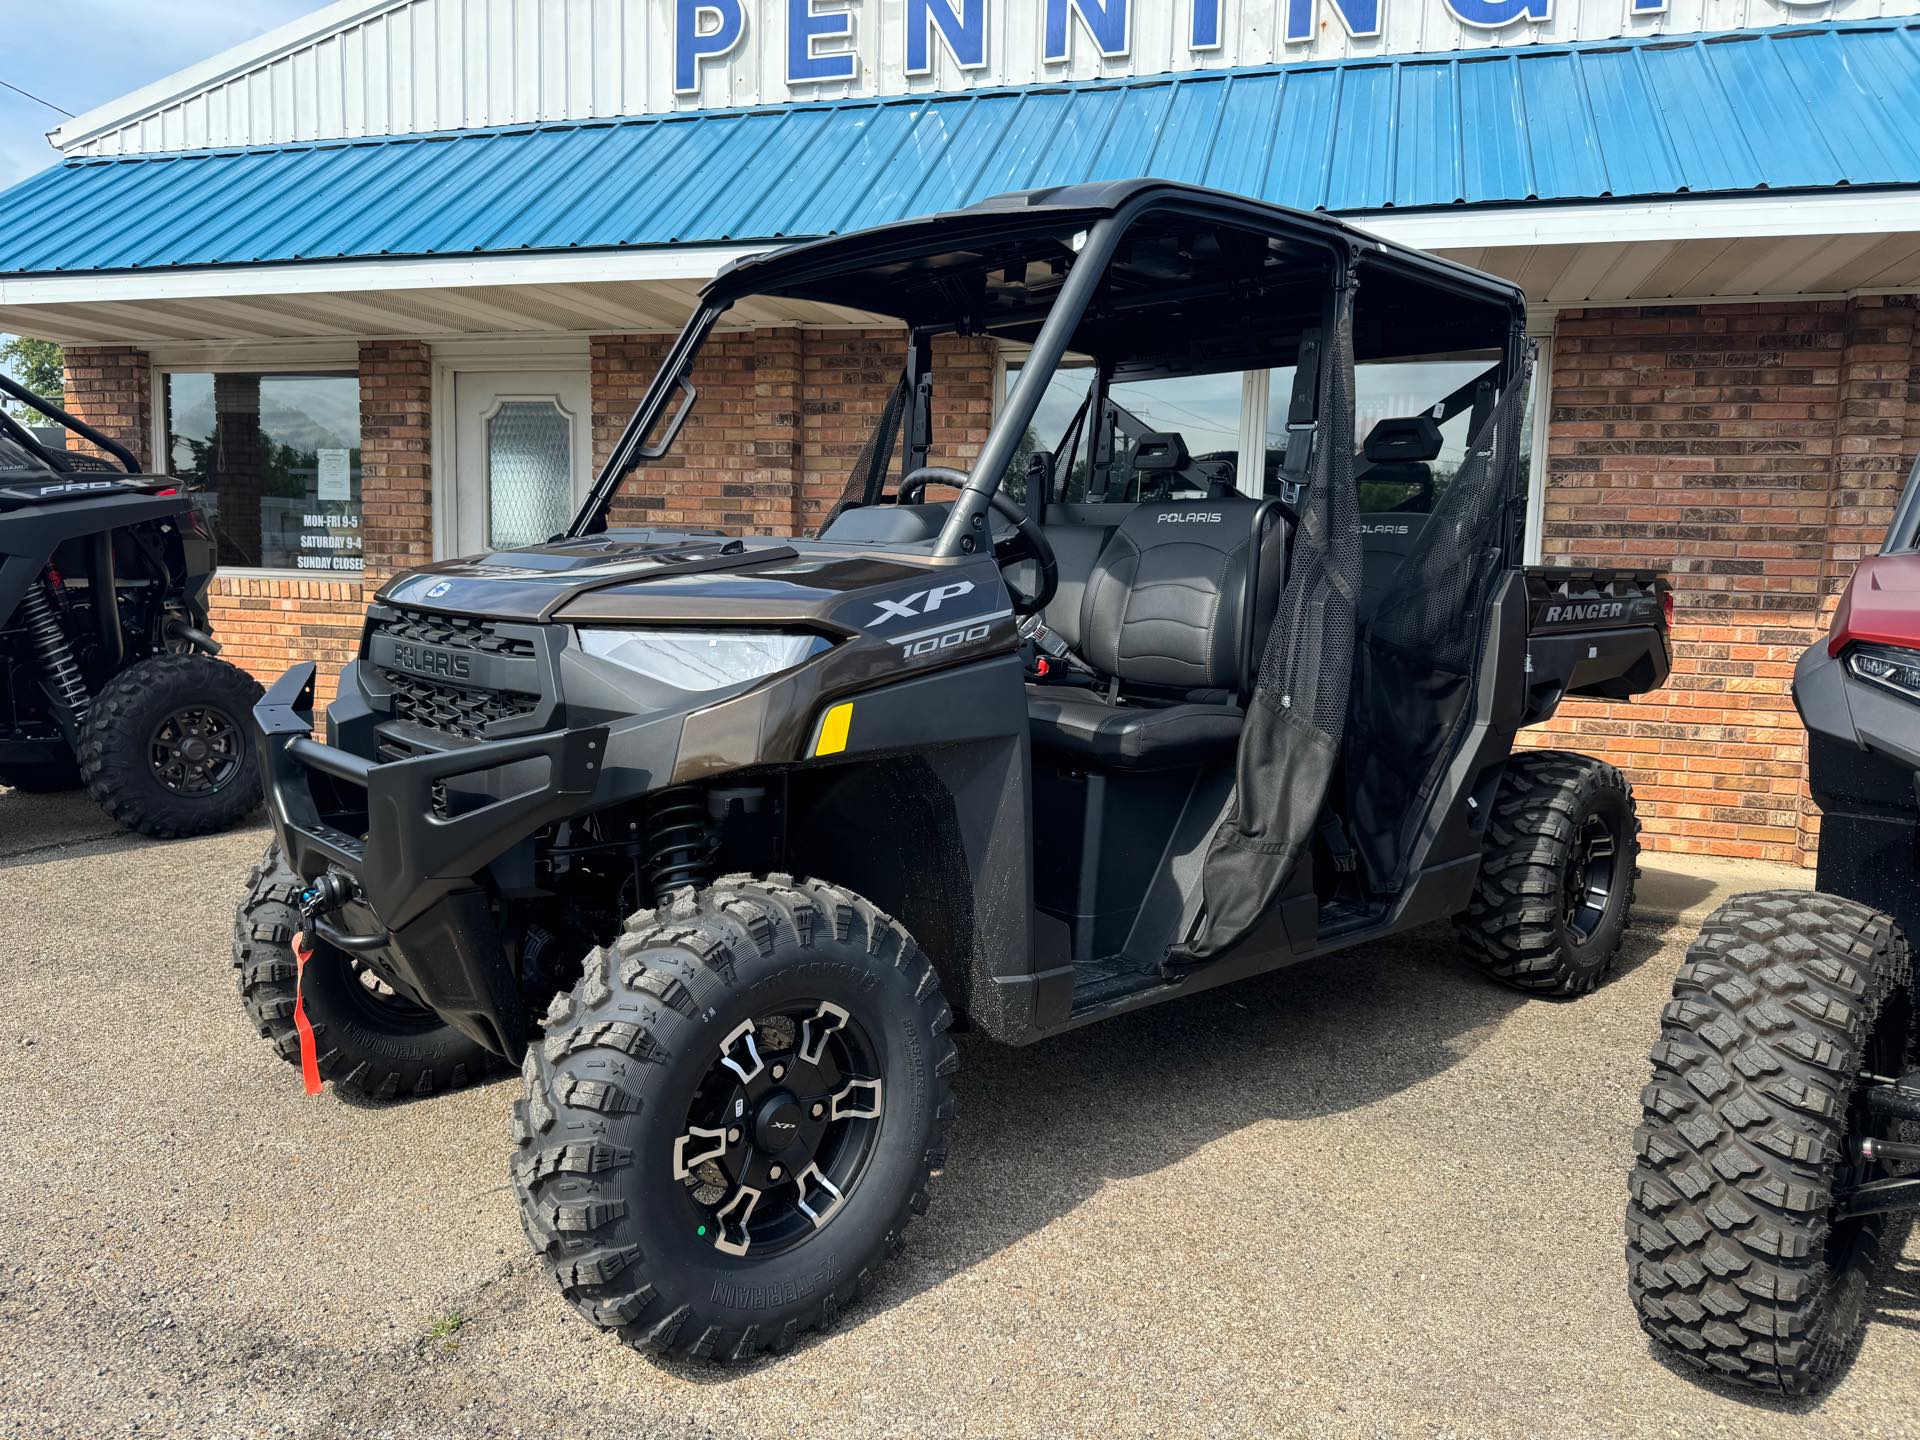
(1778, 1156)
(719, 837)
(107, 668)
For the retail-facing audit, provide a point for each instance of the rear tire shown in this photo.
(371, 1046)
(1555, 888)
(635, 1056)
(1735, 1262)
(169, 749)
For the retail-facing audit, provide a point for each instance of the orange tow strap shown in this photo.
(309, 1054)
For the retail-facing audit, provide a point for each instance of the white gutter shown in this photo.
(697, 263)
(1832, 212)
(1839, 212)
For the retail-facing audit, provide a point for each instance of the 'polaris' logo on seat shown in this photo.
(426, 660)
(1593, 610)
(1189, 517)
(921, 602)
(1386, 529)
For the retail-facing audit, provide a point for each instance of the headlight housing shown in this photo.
(700, 660)
(1888, 666)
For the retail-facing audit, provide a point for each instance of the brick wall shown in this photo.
(396, 456)
(265, 624)
(781, 419)
(111, 388)
(1754, 452)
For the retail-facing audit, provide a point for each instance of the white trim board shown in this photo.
(689, 262)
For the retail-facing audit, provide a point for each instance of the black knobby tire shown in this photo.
(372, 1045)
(607, 1095)
(49, 779)
(125, 729)
(1549, 816)
(1734, 1259)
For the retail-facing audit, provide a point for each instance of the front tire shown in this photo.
(1555, 888)
(653, 1172)
(370, 1044)
(1752, 1124)
(168, 749)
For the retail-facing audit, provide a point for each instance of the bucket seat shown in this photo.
(1172, 615)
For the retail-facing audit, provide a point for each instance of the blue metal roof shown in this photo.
(1791, 108)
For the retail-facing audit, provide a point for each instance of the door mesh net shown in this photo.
(1421, 649)
(1290, 744)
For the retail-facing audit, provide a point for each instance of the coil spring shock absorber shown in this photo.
(65, 688)
(679, 840)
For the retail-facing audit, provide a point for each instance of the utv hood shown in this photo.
(533, 583)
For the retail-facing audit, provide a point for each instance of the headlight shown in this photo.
(702, 659)
(1884, 665)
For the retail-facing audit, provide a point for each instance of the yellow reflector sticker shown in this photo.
(833, 730)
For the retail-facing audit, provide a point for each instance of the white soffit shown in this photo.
(1684, 250)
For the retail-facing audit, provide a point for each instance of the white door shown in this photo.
(522, 457)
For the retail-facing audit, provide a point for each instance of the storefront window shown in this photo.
(1203, 410)
(274, 463)
(1055, 428)
(1395, 390)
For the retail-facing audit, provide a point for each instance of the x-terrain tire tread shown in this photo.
(1512, 928)
(1744, 1124)
(263, 931)
(637, 1000)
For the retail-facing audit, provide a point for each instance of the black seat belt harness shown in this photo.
(1302, 414)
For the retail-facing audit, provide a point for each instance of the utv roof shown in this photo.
(1078, 206)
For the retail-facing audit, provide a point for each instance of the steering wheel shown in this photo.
(1029, 541)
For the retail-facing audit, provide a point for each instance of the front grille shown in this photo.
(498, 684)
(451, 709)
(458, 632)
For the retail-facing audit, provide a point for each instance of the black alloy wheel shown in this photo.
(380, 1005)
(733, 1115)
(197, 750)
(1591, 873)
(780, 1129)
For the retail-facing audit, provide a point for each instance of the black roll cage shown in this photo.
(1109, 211)
(56, 459)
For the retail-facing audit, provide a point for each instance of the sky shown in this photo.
(102, 49)
(99, 50)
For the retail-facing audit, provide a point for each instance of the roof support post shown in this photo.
(628, 451)
(919, 426)
(966, 527)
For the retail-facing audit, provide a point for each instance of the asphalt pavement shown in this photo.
(1372, 1195)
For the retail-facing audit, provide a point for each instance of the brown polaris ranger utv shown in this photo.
(717, 838)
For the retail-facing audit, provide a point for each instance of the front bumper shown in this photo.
(415, 863)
